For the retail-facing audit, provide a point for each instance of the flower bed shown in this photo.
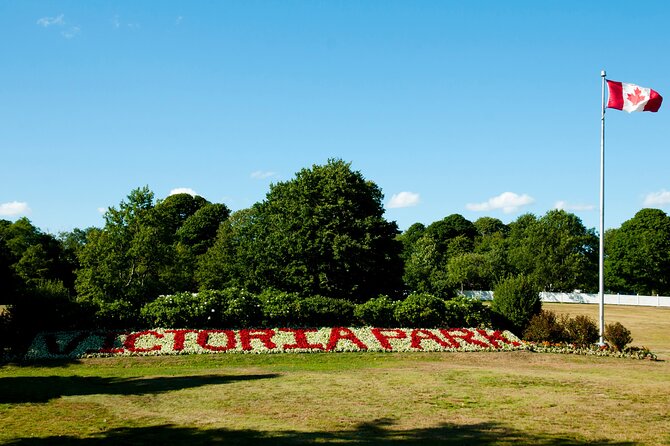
(281, 340)
(82, 344)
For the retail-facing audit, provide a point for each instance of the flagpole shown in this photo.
(601, 255)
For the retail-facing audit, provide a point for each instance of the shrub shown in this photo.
(516, 300)
(462, 311)
(279, 308)
(240, 308)
(421, 310)
(545, 326)
(177, 310)
(229, 308)
(377, 312)
(581, 331)
(114, 314)
(320, 311)
(617, 335)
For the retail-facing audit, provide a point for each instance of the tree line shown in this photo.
(322, 233)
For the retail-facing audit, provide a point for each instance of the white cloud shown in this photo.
(565, 206)
(71, 33)
(261, 175)
(404, 200)
(183, 190)
(48, 21)
(14, 208)
(507, 201)
(59, 21)
(117, 23)
(659, 198)
(102, 210)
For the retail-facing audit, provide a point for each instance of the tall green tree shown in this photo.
(321, 233)
(556, 251)
(140, 254)
(29, 257)
(409, 238)
(491, 242)
(119, 263)
(231, 260)
(638, 254)
(426, 266)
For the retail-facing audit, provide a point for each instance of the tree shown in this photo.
(409, 239)
(139, 255)
(8, 280)
(491, 242)
(27, 256)
(426, 267)
(230, 262)
(556, 251)
(198, 231)
(36, 281)
(638, 254)
(489, 226)
(322, 233)
(470, 270)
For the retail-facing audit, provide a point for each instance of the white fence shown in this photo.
(583, 298)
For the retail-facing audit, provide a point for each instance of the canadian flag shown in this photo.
(632, 98)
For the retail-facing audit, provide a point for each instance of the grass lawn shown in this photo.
(347, 398)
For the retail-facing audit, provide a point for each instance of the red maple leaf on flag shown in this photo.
(637, 97)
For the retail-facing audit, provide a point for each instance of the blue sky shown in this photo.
(483, 108)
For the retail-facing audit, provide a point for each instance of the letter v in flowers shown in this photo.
(54, 347)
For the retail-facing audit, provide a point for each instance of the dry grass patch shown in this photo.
(649, 326)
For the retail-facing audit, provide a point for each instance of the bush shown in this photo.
(516, 300)
(115, 314)
(463, 311)
(377, 312)
(581, 331)
(229, 308)
(421, 310)
(179, 310)
(279, 308)
(617, 335)
(320, 311)
(545, 326)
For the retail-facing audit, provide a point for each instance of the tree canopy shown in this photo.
(638, 254)
(321, 233)
(145, 249)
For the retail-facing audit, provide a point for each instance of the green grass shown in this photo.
(348, 398)
(352, 398)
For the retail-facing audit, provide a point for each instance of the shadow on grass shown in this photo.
(43, 363)
(378, 432)
(40, 389)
